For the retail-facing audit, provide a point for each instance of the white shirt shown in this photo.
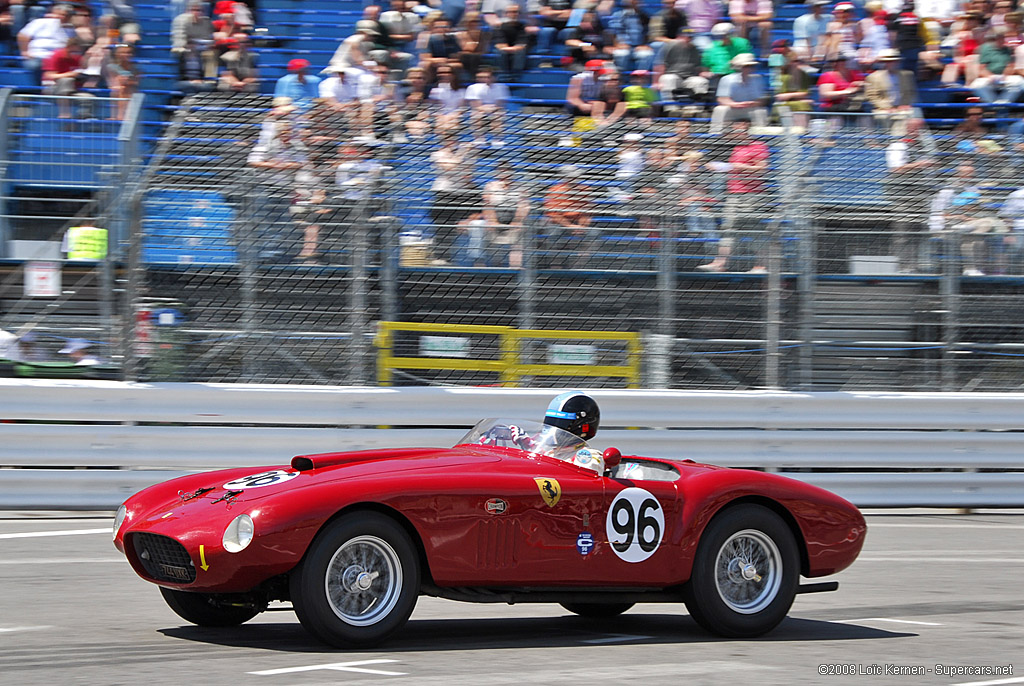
(46, 35)
(449, 99)
(935, 9)
(488, 94)
(1013, 210)
(334, 88)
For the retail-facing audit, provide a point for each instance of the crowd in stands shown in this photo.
(403, 73)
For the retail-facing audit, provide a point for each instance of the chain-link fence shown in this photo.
(830, 251)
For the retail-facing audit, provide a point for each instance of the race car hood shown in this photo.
(248, 484)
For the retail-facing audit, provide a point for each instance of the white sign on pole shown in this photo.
(42, 279)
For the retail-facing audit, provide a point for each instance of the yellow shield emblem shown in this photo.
(549, 490)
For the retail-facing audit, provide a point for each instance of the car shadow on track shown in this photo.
(428, 635)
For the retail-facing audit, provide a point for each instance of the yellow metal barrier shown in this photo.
(509, 365)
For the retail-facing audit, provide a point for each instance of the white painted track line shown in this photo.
(995, 682)
(66, 532)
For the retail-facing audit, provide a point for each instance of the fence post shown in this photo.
(5, 162)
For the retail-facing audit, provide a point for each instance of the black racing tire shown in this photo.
(597, 610)
(745, 573)
(359, 581)
(204, 609)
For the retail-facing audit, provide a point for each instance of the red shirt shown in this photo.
(62, 62)
(744, 181)
(836, 79)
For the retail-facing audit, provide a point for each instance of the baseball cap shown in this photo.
(594, 65)
(722, 29)
(298, 64)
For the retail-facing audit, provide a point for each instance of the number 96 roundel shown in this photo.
(635, 524)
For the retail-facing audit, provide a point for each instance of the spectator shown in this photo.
(641, 99)
(679, 69)
(23, 348)
(340, 92)
(473, 43)
(487, 107)
(966, 43)
(42, 37)
(282, 161)
(356, 174)
(891, 91)
(665, 26)
(750, 14)
(79, 352)
(718, 58)
(906, 187)
(554, 17)
(795, 85)
(506, 207)
(747, 199)
(122, 78)
(241, 72)
(675, 149)
(195, 28)
(841, 89)
(630, 170)
(401, 27)
(875, 36)
(844, 34)
(415, 105)
(63, 74)
(442, 46)
(631, 50)
(583, 96)
(455, 198)
(997, 79)
(741, 95)
(702, 16)
(450, 97)
(810, 30)
(908, 37)
(1012, 211)
(224, 29)
(567, 218)
(496, 11)
(192, 71)
(511, 41)
(82, 25)
(376, 45)
(958, 209)
(301, 87)
(587, 40)
(613, 99)
(353, 50)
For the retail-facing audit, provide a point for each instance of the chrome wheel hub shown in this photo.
(363, 580)
(748, 571)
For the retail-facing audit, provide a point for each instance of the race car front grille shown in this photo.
(163, 558)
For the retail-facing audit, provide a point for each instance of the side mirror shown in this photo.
(612, 458)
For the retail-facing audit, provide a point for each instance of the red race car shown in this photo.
(516, 512)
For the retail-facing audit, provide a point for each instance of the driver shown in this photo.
(577, 413)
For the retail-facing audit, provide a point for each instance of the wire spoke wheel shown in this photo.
(748, 571)
(358, 582)
(363, 580)
(745, 572)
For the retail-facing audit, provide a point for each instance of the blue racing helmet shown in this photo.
(575, 412)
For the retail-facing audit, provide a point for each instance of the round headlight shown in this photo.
(119, 519)
(239, 534)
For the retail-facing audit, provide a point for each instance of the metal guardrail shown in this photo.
(102, 441)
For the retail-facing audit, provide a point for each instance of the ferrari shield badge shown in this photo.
(549, 490)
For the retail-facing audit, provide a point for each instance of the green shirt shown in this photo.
(994, 58)
(638, 96)
(717, 57)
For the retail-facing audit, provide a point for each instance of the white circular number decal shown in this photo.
(262, 479)
(635, 524)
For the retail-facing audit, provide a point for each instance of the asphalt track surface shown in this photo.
(930, 589)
